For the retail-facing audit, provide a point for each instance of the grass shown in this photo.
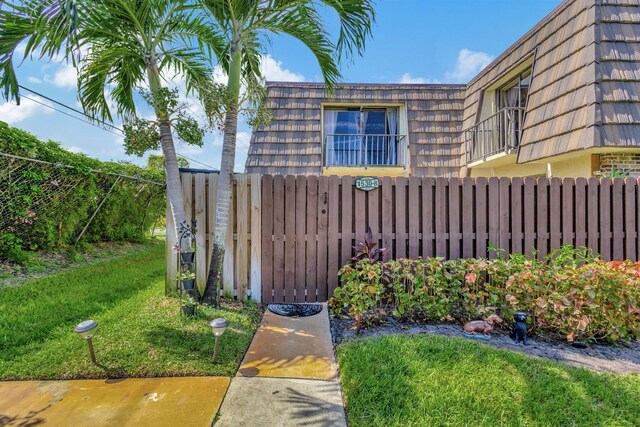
(141, 332)
(437, 381)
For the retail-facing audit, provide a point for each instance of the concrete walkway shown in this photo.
(288, 377)
(128, 402)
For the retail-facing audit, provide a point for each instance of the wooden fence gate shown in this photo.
(310, 224)
(288, 236)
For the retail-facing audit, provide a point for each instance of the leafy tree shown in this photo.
(245, 26)
(156, 161)
(120, 48)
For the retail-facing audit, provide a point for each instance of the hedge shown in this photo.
(44, 206)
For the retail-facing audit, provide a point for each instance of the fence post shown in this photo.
(104, 199)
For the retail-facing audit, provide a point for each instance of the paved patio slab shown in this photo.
(291, 347)
(191, 401)
(282, 402)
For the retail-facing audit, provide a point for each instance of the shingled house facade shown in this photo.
(564, 100)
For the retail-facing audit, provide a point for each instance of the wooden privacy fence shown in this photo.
(307, 225)
(241, 264)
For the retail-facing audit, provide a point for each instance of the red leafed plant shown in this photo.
(368, 249)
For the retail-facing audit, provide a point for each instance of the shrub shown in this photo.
(570, 292)
(45, 206)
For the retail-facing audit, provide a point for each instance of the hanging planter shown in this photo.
(187, 257)
(188, 280)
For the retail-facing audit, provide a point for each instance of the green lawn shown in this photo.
(437, 381)
(140, 332)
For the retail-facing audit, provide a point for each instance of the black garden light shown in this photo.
(86, 330)
(218, 325)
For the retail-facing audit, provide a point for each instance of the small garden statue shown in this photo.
(485, 326)
(519, 331)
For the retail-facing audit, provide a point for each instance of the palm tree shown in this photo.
(119, 46)
(245, 26)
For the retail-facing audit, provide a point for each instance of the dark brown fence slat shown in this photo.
(455, 210)
(387, 217)
(493, 217)
(567, 211)
(467, 217)
(323, 230)
(441, 202)
(278, 242)
(516, 215)
(300, 248)
(593, 218)
(529, 208)
(312, 237)
(267, 239)
(617, 199)
(373, 214)
(580, 212)
(401, 217)
(605, 218)
(360, 214)
(290, 239)
(414, 217)
(346, 230)
(542, 235)
(630, 217)
(482, 232)
(555, 208)
(332, 238)
(505, 209)
(427, 217)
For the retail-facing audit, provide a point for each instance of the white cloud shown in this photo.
(468, 65)
(75, 149)
(12, 113)
(272, 70)
(409, 79)
(66, 77)
(34, 80)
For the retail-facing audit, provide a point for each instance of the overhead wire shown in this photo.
(92, 121)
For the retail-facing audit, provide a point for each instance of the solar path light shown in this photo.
(218, 325)
(86, 330)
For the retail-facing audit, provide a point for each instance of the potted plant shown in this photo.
(188, 279)
(188, 305)
(187, 254)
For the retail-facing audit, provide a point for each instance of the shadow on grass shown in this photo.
(36, 311)
(438, 381)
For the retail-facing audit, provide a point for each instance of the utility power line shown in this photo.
(91, 121)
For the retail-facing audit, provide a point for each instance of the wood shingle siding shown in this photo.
(584, 93)
(619, 77)
(292, 143)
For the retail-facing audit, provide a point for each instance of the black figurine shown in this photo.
(519, 331)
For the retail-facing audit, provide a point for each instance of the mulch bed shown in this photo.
(622, 358)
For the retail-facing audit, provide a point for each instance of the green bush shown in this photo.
(570, 292)
(45, 206)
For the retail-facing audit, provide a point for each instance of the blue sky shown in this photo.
(419, 41)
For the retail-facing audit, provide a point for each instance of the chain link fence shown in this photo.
(46, 205)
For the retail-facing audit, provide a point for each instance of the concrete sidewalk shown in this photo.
(191, 401)
(288, 377)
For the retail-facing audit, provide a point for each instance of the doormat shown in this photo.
(295, 310)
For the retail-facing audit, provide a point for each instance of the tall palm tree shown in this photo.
(118, 46)
(246, 25)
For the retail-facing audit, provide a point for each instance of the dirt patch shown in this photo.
(623, 358)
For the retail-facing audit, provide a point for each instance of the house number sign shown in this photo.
(367, 183)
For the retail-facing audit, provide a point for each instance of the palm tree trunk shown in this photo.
(172, 173)
(225, 180)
